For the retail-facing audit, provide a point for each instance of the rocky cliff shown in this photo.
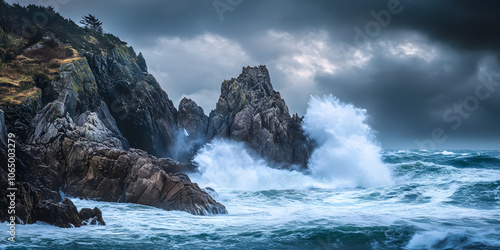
(80, 144)
(89, 121)
(250, 110)
(142, 110)
(92, 122)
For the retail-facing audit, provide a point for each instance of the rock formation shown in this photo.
(142, 110)
(92, 160)
(90, 121)
(192, 123)
(34, 199)
(91, 216)
(98, 171)
(65, 214)
(250, 110)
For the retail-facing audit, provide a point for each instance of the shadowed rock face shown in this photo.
(249, 110)
(75, 144)
(192, 123)
(192, 118)
(3, 130)
(91, 160)
(142, 110)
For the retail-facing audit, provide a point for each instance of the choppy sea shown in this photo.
(438, 200)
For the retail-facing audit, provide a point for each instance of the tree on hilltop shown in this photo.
(91, 22)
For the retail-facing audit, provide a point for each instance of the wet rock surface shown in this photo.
(65, 214)
(251, 111)
(91, 216)
(192, 123)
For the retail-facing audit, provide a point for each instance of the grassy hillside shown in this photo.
(34, 42)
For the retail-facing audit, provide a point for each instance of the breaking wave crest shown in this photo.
(346, 155)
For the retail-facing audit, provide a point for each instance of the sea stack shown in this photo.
(251, 111)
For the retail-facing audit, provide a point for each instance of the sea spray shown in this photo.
(347, 154)
(228, 164)
(433, 208)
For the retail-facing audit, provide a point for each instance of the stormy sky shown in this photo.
(426, 71)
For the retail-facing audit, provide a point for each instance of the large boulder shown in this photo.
(251, 111)
(65, 214)
(91, 216)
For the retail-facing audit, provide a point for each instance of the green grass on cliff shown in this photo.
(34, 42)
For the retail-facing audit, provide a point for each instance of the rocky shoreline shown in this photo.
(100, 127)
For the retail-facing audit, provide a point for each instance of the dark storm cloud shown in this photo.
(408, 98)
(426, 59)
(471, 24)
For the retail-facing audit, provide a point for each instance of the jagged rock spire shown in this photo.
(250, 110)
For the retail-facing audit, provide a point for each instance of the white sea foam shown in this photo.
(419, 213)
(346, 156)
(445, 152)
(227, 164)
